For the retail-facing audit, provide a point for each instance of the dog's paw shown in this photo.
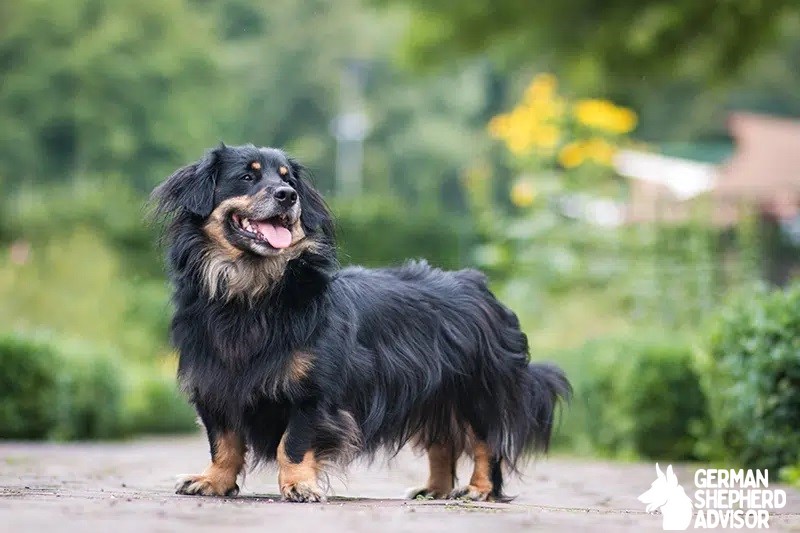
(203, 485)
(302, 492)
(425, 493)
(471, 492)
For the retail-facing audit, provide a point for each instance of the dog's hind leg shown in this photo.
(486, 482)
(442, 464)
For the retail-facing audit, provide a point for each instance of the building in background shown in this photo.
(762, 176)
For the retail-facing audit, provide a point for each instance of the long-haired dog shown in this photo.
(290, 358)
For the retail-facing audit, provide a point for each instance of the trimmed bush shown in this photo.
(638, 397)
(47, 391)
(753, 381)
(59, 390)
(90, 395)
(29, 388)
(666, 399)
(156, 406)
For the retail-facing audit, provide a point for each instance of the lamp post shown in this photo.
(350, 128)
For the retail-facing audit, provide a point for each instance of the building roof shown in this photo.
(764, 171)
(766, 163)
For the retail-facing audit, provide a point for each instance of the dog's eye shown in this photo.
(247, 177)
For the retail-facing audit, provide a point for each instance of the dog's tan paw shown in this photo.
(471, 492)
(204, 485)
(425, 493)
(302, 491)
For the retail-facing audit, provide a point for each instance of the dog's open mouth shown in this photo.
(274, 231)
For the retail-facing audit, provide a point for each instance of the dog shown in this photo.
(289, 358)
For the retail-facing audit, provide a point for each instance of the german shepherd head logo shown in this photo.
(668, 496)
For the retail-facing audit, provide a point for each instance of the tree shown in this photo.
(290, 57)
(623, 39)
(104, 87)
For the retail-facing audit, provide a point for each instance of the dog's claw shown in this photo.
(470, 492)
(202, 486)
(424, 493)
(302, 493)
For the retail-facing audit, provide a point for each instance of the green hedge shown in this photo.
(28, 388)
(48, 392)
(90, 395)
(635, 397)
(753, 380)
(154, 405)
(379, 232)
(51, 389)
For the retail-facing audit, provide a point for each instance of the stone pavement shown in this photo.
(128, 486)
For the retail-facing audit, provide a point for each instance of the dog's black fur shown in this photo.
(389, 356)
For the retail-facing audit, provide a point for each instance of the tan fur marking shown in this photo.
(216, 233)
(298, 481)
(283, 171)
(226, 264)
(481, 480)
(219, 478)
(300, 365)
(255, 165)
(440, 461)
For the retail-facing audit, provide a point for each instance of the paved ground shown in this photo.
(123, 487)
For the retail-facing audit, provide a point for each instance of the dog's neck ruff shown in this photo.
(245, 277)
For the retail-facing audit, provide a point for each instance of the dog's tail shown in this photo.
(545, 388)
(527, 425)
(521, 398)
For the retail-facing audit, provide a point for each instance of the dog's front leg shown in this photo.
(227, 460)
(298, 470)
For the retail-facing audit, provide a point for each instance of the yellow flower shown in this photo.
(498, 126)
(604, 115)
(626, 120)
(600, 151)
(572, 155)
(545, 136)
(518, 144)
(543, 87)
(523, 193)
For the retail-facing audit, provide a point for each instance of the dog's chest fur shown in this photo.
(250, 352)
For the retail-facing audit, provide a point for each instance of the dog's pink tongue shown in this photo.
(277, 236)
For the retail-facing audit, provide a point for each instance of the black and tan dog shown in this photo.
(290, 358)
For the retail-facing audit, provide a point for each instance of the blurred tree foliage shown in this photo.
(624, 38)
(131, 90)
(103, 87)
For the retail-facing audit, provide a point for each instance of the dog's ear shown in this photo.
(189, 188)
(315, 214)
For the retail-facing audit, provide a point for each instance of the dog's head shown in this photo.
(256, 208)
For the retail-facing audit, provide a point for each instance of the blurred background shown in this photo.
(627, 173)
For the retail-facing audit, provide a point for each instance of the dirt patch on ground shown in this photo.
(121, 487)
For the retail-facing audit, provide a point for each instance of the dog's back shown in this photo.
(448, 363)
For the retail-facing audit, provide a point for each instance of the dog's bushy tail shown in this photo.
(527, 426)
(545, 389)
(520, 400)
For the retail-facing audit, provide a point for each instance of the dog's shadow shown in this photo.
(376, 502)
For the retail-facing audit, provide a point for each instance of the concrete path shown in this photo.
(121, 487)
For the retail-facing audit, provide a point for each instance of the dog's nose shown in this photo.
(286, 196)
